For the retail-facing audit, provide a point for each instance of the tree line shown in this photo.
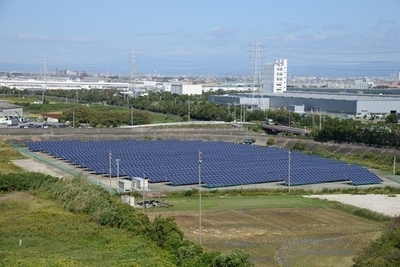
(193, 107)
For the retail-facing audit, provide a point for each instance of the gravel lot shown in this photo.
(388, 205)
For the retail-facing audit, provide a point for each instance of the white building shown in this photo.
(366, 84)
(186, 89)
(140, 184)
(8, 110)
(275, 79)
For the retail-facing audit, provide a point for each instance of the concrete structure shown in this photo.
(258, 101)
(363, 84)
(64, 85)
(124, 186)
(8, 111)
(350, 104)
(140, 184)
(128, 200)
(295, 108)
(186, 89)
(275, 79)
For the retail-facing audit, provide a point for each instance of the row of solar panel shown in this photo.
(223, 164)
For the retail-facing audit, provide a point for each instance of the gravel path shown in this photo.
(388, 205)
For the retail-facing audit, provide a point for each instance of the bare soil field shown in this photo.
(281, 237)
(388, 205)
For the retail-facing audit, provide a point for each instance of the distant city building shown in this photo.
(363, 84)
(186, 89)
(275, 79)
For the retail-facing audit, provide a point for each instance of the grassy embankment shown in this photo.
(7, 154)
(51, 236)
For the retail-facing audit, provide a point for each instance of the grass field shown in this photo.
(275, 230)
(51, 236)
(7, 154)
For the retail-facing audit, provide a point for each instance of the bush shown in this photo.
(271, 142)
(299, 145)
(165, 232)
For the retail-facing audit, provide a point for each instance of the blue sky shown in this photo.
(318, 37)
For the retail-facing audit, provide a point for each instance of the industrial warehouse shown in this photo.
(349, 104)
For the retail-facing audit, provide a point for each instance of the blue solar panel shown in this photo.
(223, 164)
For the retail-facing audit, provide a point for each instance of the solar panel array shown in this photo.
(223, 164)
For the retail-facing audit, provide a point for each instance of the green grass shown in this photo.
(22, 99)
(239, 202)
(159, 118)
(53, 237)
(7, 154)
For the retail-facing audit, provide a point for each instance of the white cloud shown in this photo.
(155, 33)
(52, 39)
(292, 27)
(290, 38)
(222, 32)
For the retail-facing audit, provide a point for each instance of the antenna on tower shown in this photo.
(44, 76)
(257, 81)
(133, 72)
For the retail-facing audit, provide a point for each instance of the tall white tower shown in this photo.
(275, 80)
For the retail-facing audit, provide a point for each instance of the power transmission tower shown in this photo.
(133, 72)
(44, 76)
(257, 81)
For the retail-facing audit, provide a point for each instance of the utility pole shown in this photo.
(289, 170)
(117, 161)
(235, 113)
(200, 160)
(143, 192)
(188, 110)
(320, 122)
(131, 115)
(110, 158)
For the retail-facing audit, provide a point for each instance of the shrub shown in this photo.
(299, 145)
(271, 142)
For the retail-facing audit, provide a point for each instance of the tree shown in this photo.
(237, 258)
(384, 251)
(392, 118)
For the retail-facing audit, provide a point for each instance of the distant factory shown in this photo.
(350, 104)
(275, 96)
